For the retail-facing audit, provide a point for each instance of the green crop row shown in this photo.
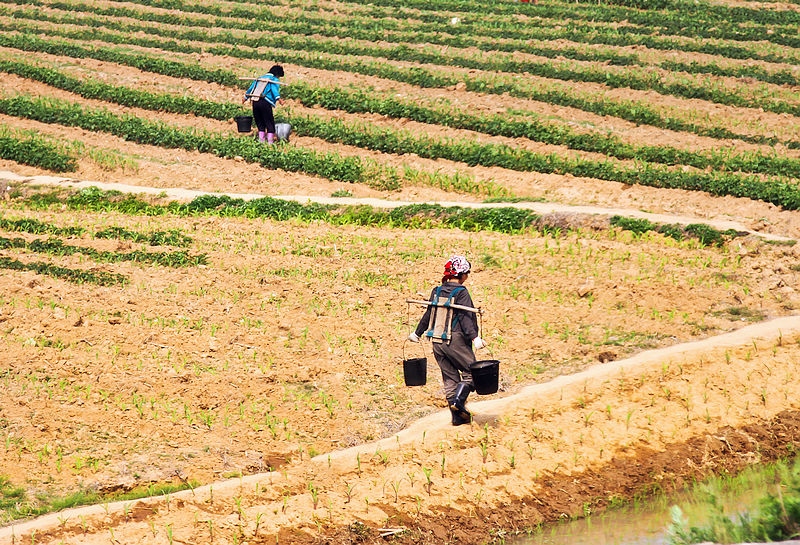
(678, 22)
(638, 80)
(368, 29)
(382, 24)
(390, 141)
(416, 216)
(423, 216)
(37, 152)
(101, 278)
(682, 19)
(135, 129)
(58, 248)
(706, 234)
(155, 238)
(37, 227)
(631, 111)
(307, 26)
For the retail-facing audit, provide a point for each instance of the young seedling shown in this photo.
(349, 492)
(484, 450)
(429, 484)
(314, 494)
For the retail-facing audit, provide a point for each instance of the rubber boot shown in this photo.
(457, 404)
(262, 136)
(457, 419)
(270, 137)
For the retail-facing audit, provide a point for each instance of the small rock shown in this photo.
(585, 289)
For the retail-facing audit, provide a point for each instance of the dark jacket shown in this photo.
(467, 323)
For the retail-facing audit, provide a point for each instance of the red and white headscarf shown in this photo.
(457, 265)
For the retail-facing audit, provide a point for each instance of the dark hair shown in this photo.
(276, 70)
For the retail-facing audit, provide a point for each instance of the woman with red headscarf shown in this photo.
(454, 333)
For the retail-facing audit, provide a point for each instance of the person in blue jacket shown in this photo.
(270, 95)
(455, 338)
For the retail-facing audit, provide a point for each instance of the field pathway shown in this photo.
(538, 207)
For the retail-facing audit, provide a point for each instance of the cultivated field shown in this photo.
(151, 346)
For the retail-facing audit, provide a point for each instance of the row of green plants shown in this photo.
(367, 29)
(57, 247)
(371, 30)
(37, 227)
(377, 23)
(677, 22)
(36, 151)
(707, 235)
(417, 216)
(390, 141)
(639, 80)
(289, 158)
(173, 237)
(76, 276)
(351, 169)
(636, 112)
(682, 19)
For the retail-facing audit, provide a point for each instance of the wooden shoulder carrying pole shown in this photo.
(459, 307)
(263, 79)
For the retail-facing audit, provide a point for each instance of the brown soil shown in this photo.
(282, 352)
(625, 430)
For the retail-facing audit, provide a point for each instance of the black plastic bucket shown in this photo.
(244, 123)
(486, 376)
(415, 371)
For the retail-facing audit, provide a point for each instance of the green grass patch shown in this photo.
(57, 247)
(776, 516)
(705, 234)
(172, 237)
(16, 504)
(101, 278)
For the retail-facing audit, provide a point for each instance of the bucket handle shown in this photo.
(480, 332)
(404, 349)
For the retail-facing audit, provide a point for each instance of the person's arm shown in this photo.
(468, 321)
(422, 326)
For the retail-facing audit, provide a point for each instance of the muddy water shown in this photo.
(646, 523)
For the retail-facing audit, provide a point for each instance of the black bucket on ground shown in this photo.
(486, 376)
(244, 123)
(415, 371)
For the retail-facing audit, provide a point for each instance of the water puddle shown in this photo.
(645, 523)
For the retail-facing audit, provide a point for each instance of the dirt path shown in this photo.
(538, 207)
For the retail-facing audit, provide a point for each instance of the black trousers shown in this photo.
(262, 113)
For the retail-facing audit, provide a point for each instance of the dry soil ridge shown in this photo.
(538, 207)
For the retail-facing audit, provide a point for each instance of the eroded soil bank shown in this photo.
(559, 449)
